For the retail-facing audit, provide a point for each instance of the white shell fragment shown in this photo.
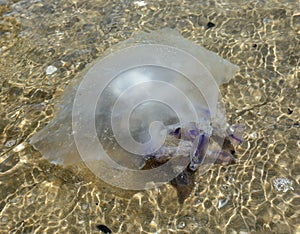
(283, 184)
(50, 70)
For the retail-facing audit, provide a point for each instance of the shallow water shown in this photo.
(44, 46)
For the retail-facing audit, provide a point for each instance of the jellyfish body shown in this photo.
(92, 123)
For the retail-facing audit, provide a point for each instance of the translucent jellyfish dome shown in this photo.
(133, 103)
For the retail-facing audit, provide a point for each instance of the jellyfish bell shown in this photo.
(126, 105)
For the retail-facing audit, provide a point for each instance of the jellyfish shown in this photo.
(146, 113)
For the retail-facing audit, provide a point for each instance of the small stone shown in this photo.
(81, 222)
(19, 147)
(181, 225)
(253, 135)
(223, 202)
(140, 3)
(10, 143)
(84, 206)
(210, 25)
(50, 70)
(103, 229)
(266, 20)
(4, 220)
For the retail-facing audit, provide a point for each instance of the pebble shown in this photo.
(266, 20)
(19, 147)
(223, 202)
(253, 135)
(140, 3)
(103, 229)
(10, 143)
(50, 70)
(4, 220)
(210, 25)
(181, 225)
(84, 206)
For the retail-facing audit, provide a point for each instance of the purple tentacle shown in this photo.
(198, 151)
(235, 133)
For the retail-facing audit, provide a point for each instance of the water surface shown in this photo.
(44, 45)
